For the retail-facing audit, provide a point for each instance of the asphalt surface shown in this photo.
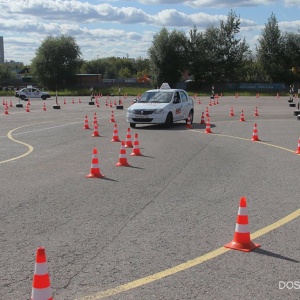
(165, 215)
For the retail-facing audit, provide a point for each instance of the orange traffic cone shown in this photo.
(231, 114)
(95, 133)
(97, 103)
(6, 110)
(202, 119)
(73, 101)
(27, 108)
(115, 137)
(241, 239)
(95, 169)
(122, 157)
(79, 100)
(207, 129)
(277, 96)
(255, 135)
(44, 107)
(206, 112)
(95, 121)
(136, 148)
(199, 102)
(298, 149)
(256, 112)
(29, 102)
(189, 123)
(41, 289)
(112, 118)
(86, 123)
(242, 119)
(128, 140)
(10, 103)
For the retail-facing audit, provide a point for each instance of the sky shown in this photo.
(126, 28)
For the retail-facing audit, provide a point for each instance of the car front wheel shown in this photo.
(44, 97)
(191, 114)
(22, 97)
(169, 120)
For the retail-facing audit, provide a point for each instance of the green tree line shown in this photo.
(213, 55)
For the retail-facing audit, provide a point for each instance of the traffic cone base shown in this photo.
(245, 247)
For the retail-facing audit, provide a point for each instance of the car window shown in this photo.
(176, 97)
(184, 97)
(156, 97)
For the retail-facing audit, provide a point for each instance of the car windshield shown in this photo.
(156, 97)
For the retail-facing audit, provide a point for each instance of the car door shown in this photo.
(177, 107)
(186, 106)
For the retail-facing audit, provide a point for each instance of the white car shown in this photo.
(31, 92)
(161, 106)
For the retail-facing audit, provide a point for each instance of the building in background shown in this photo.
(1, 50)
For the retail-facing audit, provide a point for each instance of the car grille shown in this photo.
(143, 112)
(142, 120)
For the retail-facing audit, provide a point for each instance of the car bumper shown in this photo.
(146, 119)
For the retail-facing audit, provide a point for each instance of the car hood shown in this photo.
(148, 105)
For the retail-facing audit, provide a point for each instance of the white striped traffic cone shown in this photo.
(122, 162)
(202, 119)
(96, 132)
(115, 137)
(242, 119)
(41, 289)
(189, 123)
(207, 129)
(95, 169)
(136, 147)
(298, 148)
(128, 140)
(255, 134)
(241, 240)
(86, 123)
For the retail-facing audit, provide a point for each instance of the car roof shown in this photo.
(165, 90)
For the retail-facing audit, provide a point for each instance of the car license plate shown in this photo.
(141, 116)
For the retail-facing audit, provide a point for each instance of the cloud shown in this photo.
(212, 3)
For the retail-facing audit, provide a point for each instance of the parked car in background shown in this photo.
(31, 92)
(161, 106)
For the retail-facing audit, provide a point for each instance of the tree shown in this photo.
(56, 61)
(216, 54)
(231, 51)
(5, 72)
(168, 57)
(270, 50)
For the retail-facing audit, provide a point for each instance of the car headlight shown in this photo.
(129, 110)
(159, 111)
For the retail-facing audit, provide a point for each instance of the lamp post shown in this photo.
(97, 67)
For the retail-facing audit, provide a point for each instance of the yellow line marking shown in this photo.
(184, 266)
(30, 148)
(240, 138)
